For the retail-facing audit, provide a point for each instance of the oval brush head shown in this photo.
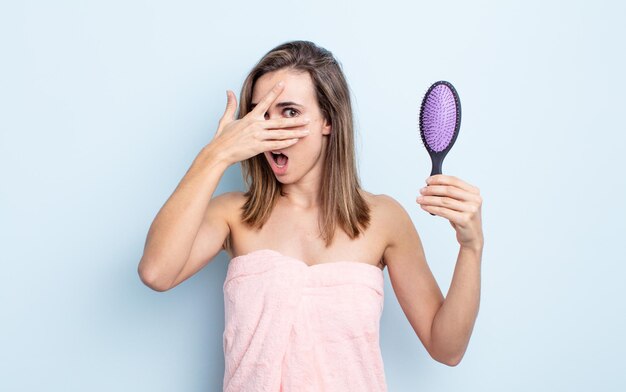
(439, 122)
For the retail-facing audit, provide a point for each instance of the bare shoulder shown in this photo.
(389, 215)
(225, 208)
(229, 205)
(385, 207)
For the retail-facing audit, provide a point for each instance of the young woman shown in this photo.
(308, 246)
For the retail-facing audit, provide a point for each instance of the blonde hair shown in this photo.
(342, 201)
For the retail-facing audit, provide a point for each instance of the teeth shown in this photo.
(277, 153)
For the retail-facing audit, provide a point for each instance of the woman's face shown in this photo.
(298, 99)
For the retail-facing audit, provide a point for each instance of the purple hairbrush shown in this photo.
(440, 120)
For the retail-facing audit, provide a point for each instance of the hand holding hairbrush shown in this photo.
(439, 122)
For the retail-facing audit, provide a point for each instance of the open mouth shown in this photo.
(279, 158)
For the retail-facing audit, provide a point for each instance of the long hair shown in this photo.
(342, 201)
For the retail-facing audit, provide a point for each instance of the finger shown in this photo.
(452, 216)
(285, 122)
(268, 99)
(449, 191)
(443, 179)
(278, 144)
(231, 107)
(446, 202)
(273, 134)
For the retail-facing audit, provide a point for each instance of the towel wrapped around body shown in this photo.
(292, 327)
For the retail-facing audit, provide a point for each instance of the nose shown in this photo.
(268, 116)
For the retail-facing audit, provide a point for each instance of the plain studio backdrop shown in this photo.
(104, 105)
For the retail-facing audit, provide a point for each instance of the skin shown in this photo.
(302, 181)
(443, 325)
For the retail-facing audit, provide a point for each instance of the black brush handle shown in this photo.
(437, 160)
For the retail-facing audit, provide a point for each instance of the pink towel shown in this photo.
(293, 327)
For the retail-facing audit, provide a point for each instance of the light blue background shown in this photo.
(105, 104)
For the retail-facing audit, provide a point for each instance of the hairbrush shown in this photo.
(439, 122)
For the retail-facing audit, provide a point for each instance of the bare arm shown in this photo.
(191, 227)
(459, 202)
(444, 325)
(173, 232)
(453, 324)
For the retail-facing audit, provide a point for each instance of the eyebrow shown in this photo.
(279, 104)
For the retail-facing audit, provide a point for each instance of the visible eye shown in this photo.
(291, 110)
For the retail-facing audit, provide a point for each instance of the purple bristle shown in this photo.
(439, 117)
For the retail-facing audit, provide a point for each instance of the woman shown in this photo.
(307, 244)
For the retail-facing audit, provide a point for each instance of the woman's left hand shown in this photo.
(457, 201)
